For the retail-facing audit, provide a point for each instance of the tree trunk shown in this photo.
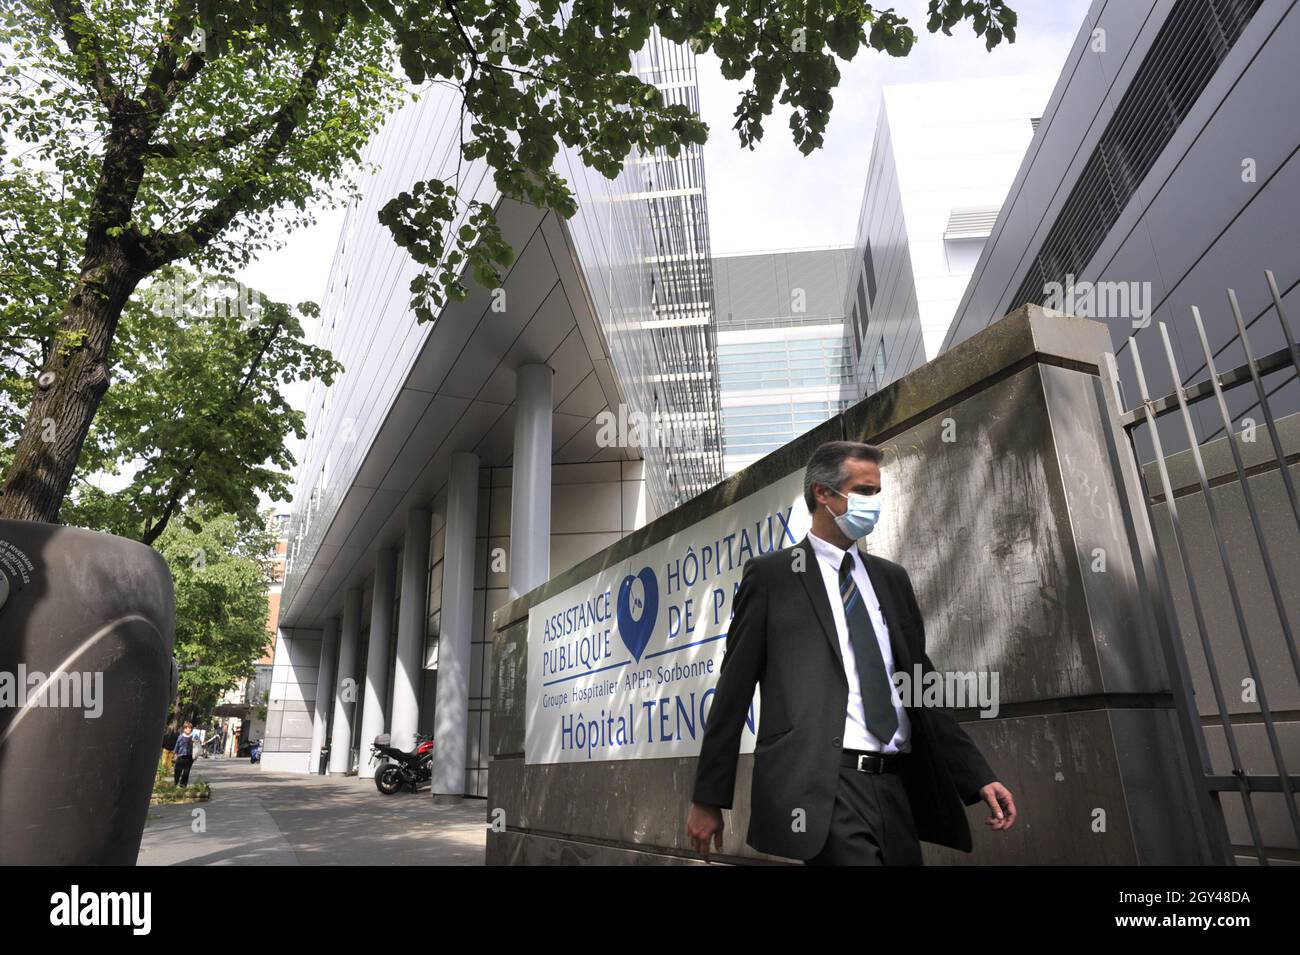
(70, 386)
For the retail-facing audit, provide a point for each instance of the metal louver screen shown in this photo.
(1188, 49)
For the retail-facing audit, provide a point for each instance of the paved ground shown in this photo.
(257, 818)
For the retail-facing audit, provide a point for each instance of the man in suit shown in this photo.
(844, 772)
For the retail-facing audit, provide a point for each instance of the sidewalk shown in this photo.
(257, 818)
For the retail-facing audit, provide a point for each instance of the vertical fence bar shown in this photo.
(1153, 578)
(1197, 610)
(1232, 438)
(1263, 399)
(1281, 318)
(1233, 594)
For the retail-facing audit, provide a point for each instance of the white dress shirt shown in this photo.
(856, 735)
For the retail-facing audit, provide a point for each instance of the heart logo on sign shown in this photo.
(638, 608)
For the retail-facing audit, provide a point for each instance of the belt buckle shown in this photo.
(861, 757)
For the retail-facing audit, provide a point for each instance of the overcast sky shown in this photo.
(776, 198)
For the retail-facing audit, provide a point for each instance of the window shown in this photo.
(876, 377)
(869, 270)
(760, 429)
(796, 363)
(864, 313)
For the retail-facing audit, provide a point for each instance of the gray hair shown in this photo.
(826, 466)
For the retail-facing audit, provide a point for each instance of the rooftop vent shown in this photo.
(973, 222)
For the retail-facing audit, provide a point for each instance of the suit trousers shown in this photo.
(871, 823)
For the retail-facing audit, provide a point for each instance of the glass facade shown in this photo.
(640, 246)
(747, 366)
(643, 241)
(784, 364)
(756, 430)
(365, 319)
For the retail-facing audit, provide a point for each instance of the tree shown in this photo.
(164, 147)
(221, 571)
(198, 417)
(177, 126)
(205, 397)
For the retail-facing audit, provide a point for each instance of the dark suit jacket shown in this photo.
(782, 637)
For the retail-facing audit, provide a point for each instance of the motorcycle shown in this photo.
(404, 768)
(255, 754)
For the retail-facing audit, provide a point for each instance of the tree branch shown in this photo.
(84, 46)
(474, 62)
(153, 531)
(162, 248)
(302, 95)
(165, 77)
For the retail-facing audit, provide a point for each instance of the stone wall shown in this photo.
(1005, 507)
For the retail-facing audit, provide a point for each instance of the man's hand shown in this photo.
(704, 825)
(1002, 810)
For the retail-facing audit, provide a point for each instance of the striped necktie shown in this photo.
(882, 719)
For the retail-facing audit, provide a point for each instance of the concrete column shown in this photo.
(329, 645)
(345, 695)
(530, 492)
(451, 714)
(378, 661)
(411, 623)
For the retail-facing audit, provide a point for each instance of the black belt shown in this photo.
(865, 762)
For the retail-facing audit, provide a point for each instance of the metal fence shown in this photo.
(1187, 565)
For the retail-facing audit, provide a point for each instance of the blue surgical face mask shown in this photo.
(860, 517)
